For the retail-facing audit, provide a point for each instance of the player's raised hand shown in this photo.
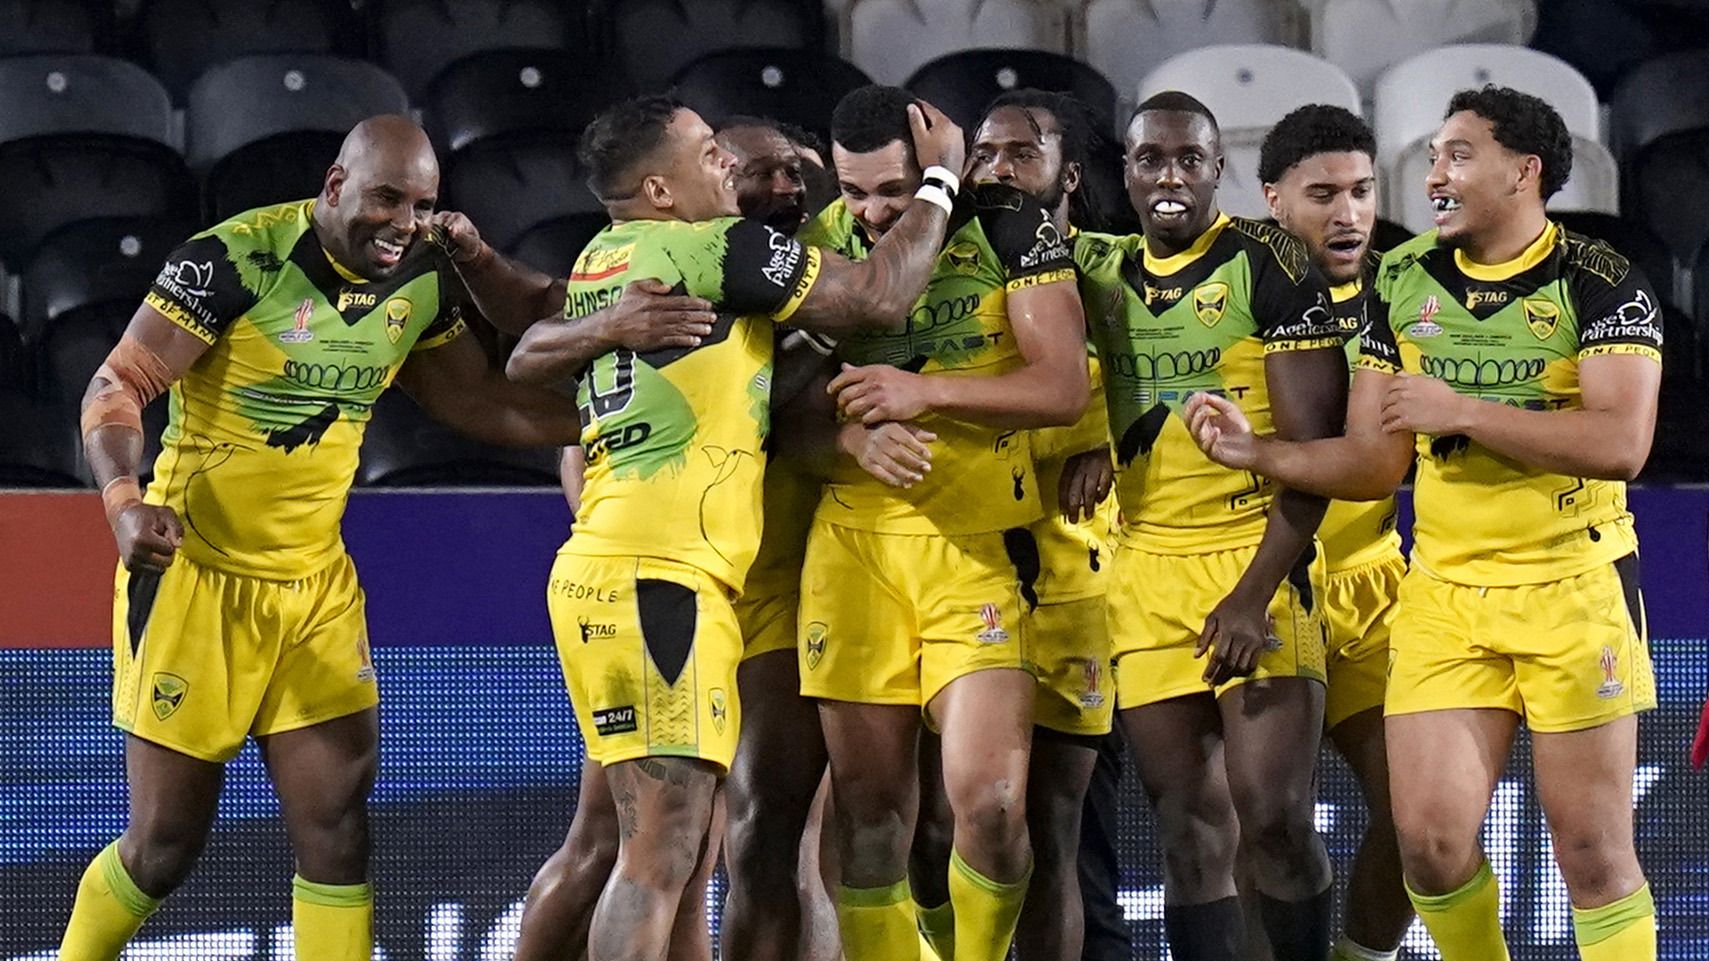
(938, 142)
(1236, 633)
(1086, 480)
(895, 453)
(1425, 405)
(879, 392)
(148, 536)
(649, 316)
(458, 234)
(1221, 430)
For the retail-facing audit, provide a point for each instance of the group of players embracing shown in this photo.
(1021, 481)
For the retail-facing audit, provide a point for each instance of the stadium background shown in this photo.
(124, 128)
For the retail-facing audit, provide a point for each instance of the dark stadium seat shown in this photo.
(525, 94)
(68, 356)
(801, 87)
(15, 373)
(53, 26)
(97, 264)
(961, 84)
(554, 245)
(81, 136)
(653, 39)
(415, 39)
(182, 38)
(508, 188)
(263, 129)
(405, 448)
(1605, 39)
(1659, 129)
(39, 443)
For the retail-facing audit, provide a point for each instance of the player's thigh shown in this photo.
(173, 798)
(193, 653)
(781, 755)
(984, 720)
(326, 767)
(857, 635)
(1177, 751)
(664, 812)
(1061, 771)
(874, 751)
(1584, 781)
(1359, 740)
(1068, 646)
(649, 650)
(1271, 729)
(327, 672)
(1443, 768)
(1579, 646)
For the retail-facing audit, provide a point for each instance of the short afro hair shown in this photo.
(1310, 130)
(1523, 124)
(1175, 101)
(871, 117)
(619, 139)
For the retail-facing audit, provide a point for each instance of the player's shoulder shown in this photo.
(1404, 257)
(264, 231)
(1270, 242)
(1094, 249)
(832, 227)
(1592, 260)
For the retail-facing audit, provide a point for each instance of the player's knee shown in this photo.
(1437, 857)
(992, 809)
(159, 857)
(759, 851)
(1596, 867)
(1198, 851)
(1281, 833)
(1054, 828)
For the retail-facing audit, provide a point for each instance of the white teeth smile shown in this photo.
(1168, 207)
(1445, 204)
(386, 247)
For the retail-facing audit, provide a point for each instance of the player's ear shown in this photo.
(657, 192)
(1071, 177)
(333, 186)
(1530, 173)
(1273, 200)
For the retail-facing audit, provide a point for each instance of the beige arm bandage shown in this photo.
(132, 376)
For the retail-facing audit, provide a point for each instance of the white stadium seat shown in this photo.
(1365, 37)
(890, 39)
(1250, 87)
(1126, 39)
(1411, 97)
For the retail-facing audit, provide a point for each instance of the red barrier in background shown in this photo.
(56, 570)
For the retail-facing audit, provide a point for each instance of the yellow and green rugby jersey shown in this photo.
(1355, 533)
(261, 445)
(674, 438)
(1511, 333)
(981, 478)
(1202, 320)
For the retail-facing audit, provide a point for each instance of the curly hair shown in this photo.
(872, 117)
(1524, 124)
(1310, 130)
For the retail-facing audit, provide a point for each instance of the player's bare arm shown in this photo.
(510, 294)
(1050, 389)
(647, 316)
(878, 292)
(1607, 439)
(1308, 401)
(807, 433)
(152, 353)
(1366, 463)
(457, 387)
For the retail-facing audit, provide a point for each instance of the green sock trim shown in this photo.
(983, 883)
(943, 911)
(874, 897)
(1591, 925)
(119, 882)
(1437, 903)
(332, 895)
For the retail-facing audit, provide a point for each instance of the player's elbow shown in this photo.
(1627, 461)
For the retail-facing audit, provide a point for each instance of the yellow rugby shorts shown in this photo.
(1359, 606)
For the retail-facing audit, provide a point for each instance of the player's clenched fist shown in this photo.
(148, 536)
(896, 454)
(459, 235)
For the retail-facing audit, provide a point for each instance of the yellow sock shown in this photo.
(985, 911)
(1622, 931)
(878, 923)
(109, 910)
(332, 922)
(937, 926)
(1465, 924)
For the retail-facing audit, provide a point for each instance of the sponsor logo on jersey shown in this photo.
(357, 299)
(570, 590)
(1047, 245)
(597, 265)
(1092, 697)
(1542, 316)
(818, 632)
(1210, 301)
(992, 616)
(720, 709)
(615, 720)
(1610, 686)
(397, 316)
(169, 691)
(196, 279)
(1486, 297)
(592, 631)
(786, 255)
(364, 658)
(1426, 325)
(300, 332)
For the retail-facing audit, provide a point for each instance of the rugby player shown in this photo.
(1039, 143)
(237, 612)
(641, 595)
(1525, 360)
(1319, 178)
(912, 600)
(1212, 563)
